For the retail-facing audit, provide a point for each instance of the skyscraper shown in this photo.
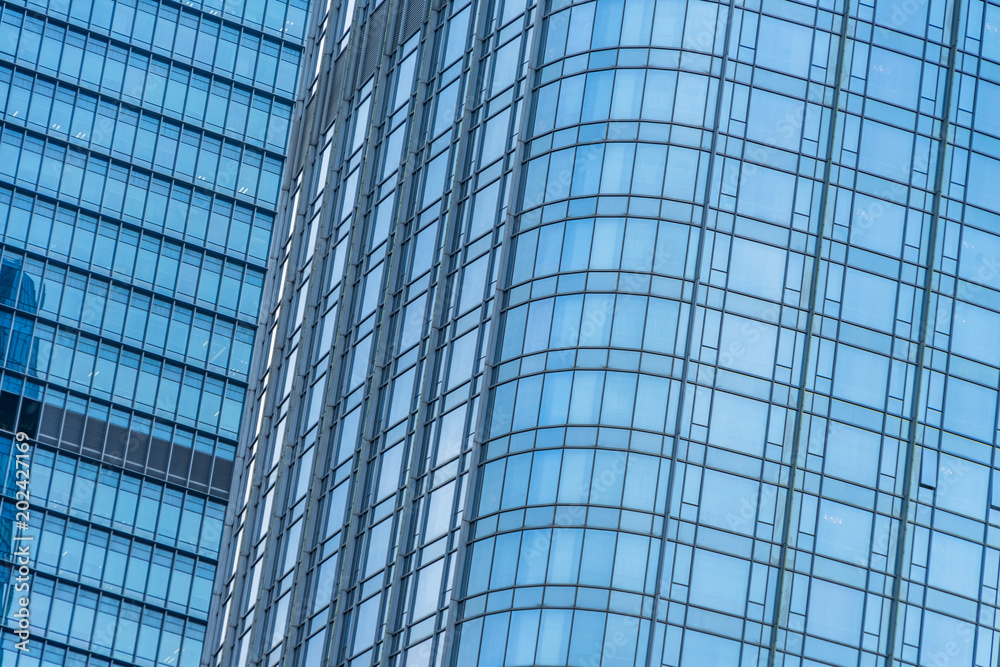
(141, 147)
(629, 332)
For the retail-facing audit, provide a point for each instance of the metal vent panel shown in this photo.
(373, 42)
(416, 11)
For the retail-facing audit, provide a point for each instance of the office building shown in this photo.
(629, 332)
(141, 150)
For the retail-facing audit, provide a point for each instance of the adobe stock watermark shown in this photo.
(21, 542)
(743, 517)
(574, 515)
(954, 648)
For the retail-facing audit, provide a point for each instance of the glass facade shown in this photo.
(141, 151)
(629, 333)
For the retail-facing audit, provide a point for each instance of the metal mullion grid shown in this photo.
(191, 630)
(145, 111)
(287, 470)
(797, 456)
(479, 418)
(152, 544)
(111, 39)
(779, 307)
(183, 9)
(430, 370)
(306, 163)
(443, 277)
(122, 345)
(132, 407)
(159, 237)
(353, 282)
(291, 428)
(383, 348)
(961, 63)
(153, 235)
(895, 639)
(688, 354)
(119, 597)
(157, 539)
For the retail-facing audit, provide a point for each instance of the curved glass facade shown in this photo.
(667, 339)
